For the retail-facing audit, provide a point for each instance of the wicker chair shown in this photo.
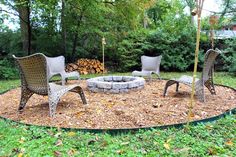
(149, 65)
(56, 66)
(34, 79)
(205, 80)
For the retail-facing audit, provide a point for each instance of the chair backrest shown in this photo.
(151, 63)
(33, 72)
(56, 65)
(209, 60)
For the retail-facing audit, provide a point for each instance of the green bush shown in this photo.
(177, 50)
(229, 62)
(7, 70)
(174, 38)
(10, 42)
(232, 67)
(131, 49)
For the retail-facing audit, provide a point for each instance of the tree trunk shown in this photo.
(76, 38)
(25, 27)
(63, 28)
(74, 46)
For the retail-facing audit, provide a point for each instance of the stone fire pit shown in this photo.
(115, 84)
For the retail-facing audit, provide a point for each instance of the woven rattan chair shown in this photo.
(56, 66)
(34, 79)
(205, 80)
(149, 65)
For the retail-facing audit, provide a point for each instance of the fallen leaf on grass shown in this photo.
(168, 140)
(104, 144)
(183, 151)
(71, 152)
(229, 143)
(91, 154)
(58, 143)
(158, 133)
(20, 155)
(212, 151)
(57, 134)
(71, 133)
(120, 152)
(209, 127)
(22, 140)
(167, 146)
(124, 143)
(57, 153)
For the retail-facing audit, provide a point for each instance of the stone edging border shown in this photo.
(122, 130)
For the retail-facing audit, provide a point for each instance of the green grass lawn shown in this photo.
(211, 139)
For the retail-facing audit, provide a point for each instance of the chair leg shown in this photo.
(169, 83)
(199, 89)
(63, 80)
(177, 86)
(80, 91)
(25, 95)
(210, 86)
(53, 101)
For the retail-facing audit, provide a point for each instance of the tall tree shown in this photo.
(78, 14)
(158, 11)
(63, 26)
(23, 8)
(229, 9)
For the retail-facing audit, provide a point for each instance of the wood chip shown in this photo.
(144, 107)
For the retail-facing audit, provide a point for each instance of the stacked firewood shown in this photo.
(86, 66)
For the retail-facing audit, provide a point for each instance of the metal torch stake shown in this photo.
(103, 49)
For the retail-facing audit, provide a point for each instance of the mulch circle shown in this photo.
(138, 108)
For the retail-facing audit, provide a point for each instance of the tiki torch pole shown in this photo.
(103, 47)
(199, 11)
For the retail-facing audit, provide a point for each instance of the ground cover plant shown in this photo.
(216, 138)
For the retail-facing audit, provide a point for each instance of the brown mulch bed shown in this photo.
(141, 108)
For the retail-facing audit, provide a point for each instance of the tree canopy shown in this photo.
(131, 28)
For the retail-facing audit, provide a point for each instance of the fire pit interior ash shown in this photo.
(115, 84)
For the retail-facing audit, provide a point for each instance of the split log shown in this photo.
(86, 66)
